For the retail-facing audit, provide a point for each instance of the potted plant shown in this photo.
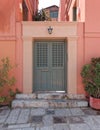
(91, 79)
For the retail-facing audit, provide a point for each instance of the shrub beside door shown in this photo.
(91, 80)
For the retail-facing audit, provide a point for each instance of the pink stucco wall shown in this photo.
(62, 11)
(92, 29)
(80, 56)
(88, 32)
(7, 18)
(88, 44)
(81, 10)
(92, 18)
(11, 44)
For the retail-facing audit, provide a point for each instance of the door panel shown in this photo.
(42, 74)
(57, 67)
(58, 80)
(49, 66)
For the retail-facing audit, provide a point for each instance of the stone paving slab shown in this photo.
(47, 120)
(14, 114)
(45, 128)
(43, 103)
(25, 129)
(30, 104)
(79, 127)
(76, 111)
(96, 120)
(54, 127)
(36, 120)
(50, 119)
(59, 119)
(96, 128)
(51, 95)
(74, 120)
(26, 96)
(24, 116)
(82, 103)
(19, 126)
(76, 96)
(3, 115)
(2, 127)
(92, 121)
(89, 111)
(37, 112)
(57, 104)
(61, 127)
(50, 111)
(63, 112)
(67, 103)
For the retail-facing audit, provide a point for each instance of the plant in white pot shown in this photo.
(91, 79)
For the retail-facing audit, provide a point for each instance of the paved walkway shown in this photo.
(49, 119)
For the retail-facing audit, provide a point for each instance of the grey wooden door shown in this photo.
(49, 70)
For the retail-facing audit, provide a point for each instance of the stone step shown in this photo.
(26, 96)
(49, 96)
(41, 103)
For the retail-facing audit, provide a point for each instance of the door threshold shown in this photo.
(50, 92)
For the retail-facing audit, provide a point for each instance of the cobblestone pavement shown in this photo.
(49, 119)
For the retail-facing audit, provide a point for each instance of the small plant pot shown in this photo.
(95, 103)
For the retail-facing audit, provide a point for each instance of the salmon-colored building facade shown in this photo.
(75, 39)
(12, 13)
(85, 13)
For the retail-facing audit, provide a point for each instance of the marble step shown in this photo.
(49, 96)
(41, 103)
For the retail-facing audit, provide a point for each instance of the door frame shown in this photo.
(65, 62)
(28, 63)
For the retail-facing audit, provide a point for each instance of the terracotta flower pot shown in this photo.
(95, 103)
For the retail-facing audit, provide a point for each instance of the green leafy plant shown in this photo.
(41, 16)
(91, 77)
(7, 81)
(2, 99)
(5, 68)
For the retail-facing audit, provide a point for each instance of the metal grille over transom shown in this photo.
(49, 70)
